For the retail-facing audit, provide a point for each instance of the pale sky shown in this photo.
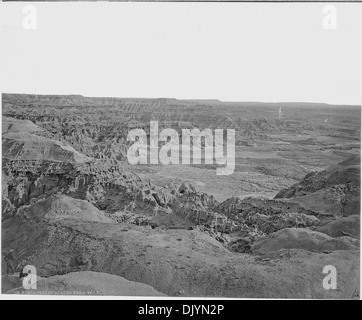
(227, 51)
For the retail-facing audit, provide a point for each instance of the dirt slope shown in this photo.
(88, 283)
(303, 239)
(333, 191)
(345, 226)
(177, 262)
(62, 207)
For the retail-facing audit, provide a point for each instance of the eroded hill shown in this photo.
(72, 205)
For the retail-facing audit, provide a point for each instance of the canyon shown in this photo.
(77, 210)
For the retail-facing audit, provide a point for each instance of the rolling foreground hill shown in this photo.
(89, 222)
(84, 283)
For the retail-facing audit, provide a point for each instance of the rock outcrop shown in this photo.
(334, 191)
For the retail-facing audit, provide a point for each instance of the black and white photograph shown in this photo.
(181, 150)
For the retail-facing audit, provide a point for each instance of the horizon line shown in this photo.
(184, 99)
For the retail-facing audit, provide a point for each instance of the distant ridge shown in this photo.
(72, 98)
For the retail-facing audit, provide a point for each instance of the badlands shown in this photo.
(90, 222)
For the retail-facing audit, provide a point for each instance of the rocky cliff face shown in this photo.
(96, 182)
(36, 167)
